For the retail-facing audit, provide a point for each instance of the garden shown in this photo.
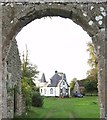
(86, 107)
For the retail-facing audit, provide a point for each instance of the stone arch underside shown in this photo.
(90, 16)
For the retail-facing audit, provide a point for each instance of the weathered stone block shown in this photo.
(35, 1)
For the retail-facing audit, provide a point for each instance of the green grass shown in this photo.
(86, 107)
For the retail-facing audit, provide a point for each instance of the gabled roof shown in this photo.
(81, 82)
(55, 80)
(65, 82)
(43, 79)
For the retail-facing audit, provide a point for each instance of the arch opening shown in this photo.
(30, 15)
(45, 38)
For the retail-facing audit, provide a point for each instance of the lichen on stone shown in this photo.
(99, 17)
(90, 22)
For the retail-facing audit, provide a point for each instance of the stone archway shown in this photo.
(91, 16)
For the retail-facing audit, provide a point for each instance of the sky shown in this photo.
(56, 44)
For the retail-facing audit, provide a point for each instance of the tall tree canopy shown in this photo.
(92, 61)
(92, 74)
(29, 73)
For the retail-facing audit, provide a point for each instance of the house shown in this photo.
(76, 88)
(79, 86)
(57, 86)
(82, 86)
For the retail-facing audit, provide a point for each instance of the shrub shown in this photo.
(37, 100)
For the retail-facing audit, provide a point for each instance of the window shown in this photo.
(64, 90)
(51, 91)
(63, 83)
(41, 90)
(60, 90)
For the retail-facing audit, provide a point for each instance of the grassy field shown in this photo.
(86, 107)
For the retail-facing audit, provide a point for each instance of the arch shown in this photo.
(90, 16)
(30, 12)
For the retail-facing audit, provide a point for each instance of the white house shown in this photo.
(58, 86)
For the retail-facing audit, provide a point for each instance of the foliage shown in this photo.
(91, 86)
(90, 82)
(92, 74)
(72, 84)
(37, 100)
(29, 72)
(27, 92)
(92, 61)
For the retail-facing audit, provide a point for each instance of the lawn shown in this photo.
(86, 107)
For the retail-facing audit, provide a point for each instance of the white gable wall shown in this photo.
(54, 91)
(47, 91)
(42, 91)
(65, 88)
(51, 91)
(63, 84)
(57, 91)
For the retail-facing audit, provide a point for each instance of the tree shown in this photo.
(92, 74)
(29, 70)
(29, 73)
(90, 86)
(92, 61)
(72, 84)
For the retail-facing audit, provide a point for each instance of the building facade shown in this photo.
(58, 86)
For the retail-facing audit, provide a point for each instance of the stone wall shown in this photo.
(43, 1)
(12, 83)
(1, 65)
(91, 15)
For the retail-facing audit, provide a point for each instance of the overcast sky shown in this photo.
(56, 44)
